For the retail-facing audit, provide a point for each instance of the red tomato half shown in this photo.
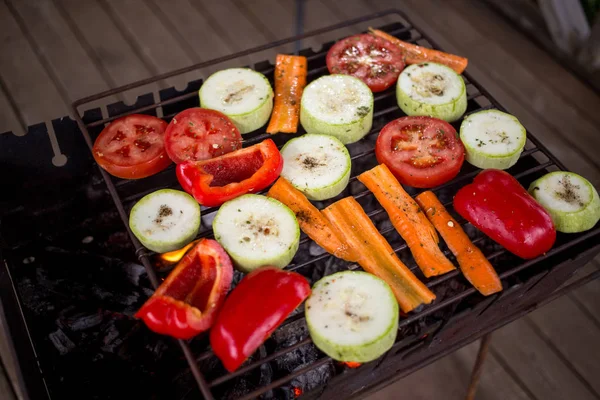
(372, 59)
(422, 152)
(198, 134)
(132, 147)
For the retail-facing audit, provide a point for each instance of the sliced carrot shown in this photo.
(311, 221)
(414, 54)
(473, 264)
(290, 79)
(408, 219)
(376, 254)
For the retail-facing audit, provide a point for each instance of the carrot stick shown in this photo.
(376, 254)
(408, 219)
(414, 54)
(473, 264)
(311, 221)
(290, 79)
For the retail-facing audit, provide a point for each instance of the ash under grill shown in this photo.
(288, 365)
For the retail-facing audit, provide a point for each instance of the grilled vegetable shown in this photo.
(317, 165)
(198, 134)
(500, 207)
(570, 199)
(256, 231)
(352, 316)
(242, 94)
(373, 60)
(311, 221)
(213, 182)
(290, 80)
(132, 147)
(165, 220)
(492, 139)
(337, 105)
(432, 90)
(414, 54)
(253, 310)
(375, 253)
(421, 152)
(473, 264)
(187, 302)
(408, 219)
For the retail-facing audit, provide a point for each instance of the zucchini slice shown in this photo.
(165, 220)
(257, 231)
(242, 94)
(492, 139)
(317, 165)
(352, 316)
(570, 199)
(431, 90)
(337, 105)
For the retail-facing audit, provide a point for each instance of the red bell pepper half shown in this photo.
(187, 302)
(213, 182)
(253, 310)
(500, 207)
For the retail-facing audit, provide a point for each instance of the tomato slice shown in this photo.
(132, 147)
(198, 134)
(372, 59)
(422, 152)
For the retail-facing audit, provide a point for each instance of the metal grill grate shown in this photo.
(534, 161)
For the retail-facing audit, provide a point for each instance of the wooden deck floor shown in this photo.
(56, 51)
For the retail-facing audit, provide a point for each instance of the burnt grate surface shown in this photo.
(288, 364)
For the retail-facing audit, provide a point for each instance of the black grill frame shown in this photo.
(143, 105)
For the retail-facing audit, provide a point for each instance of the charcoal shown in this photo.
(61, 342)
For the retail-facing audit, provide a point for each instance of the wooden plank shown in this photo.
(448, 379)
(31, 89)
(150, 39)
(572, 335)
(280, 17)
(9, 114)
(191, 29)
(244, 36)
(74, 70)
(519, 348)
(587, 299)
(106, 44)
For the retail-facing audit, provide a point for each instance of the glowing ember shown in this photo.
(352, 364)
(297, 392)
(174, 256)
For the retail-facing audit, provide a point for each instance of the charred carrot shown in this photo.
(376, 254)
(290, 79)
(473, 264)
(408, 219)
(414, 54)
(311, 221)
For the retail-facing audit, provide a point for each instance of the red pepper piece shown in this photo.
(253, 310)
(187, 302)
(212, 182)
(500, 207)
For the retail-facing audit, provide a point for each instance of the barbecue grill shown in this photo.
(71, 283)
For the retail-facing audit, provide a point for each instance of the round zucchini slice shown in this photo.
(431, 90)
(242, 94)
(165, 220)
(352, 316)
(256, 231)
(337, 105)
(317, 165)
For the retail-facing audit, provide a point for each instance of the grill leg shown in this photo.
(478, 367)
